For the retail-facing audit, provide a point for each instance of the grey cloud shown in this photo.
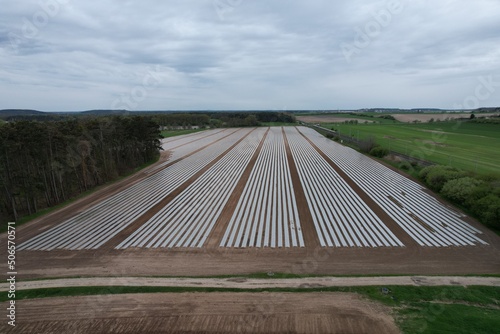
(254, 55)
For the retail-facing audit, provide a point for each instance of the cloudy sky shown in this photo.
(65, 55)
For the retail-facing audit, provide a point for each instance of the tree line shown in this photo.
(207, 119)
(223, 119)
(238, 119)
(45, 163)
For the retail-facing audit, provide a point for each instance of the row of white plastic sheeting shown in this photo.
(96, 225)
(182, 146)
(188, 220)
(266, 214)
(423, 217)
(341, 218)
(176, 141)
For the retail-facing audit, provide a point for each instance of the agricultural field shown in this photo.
(224, 204)
(243, 200)
(426, 117)
(371, 117)
(333, 118)
(468, 146)
(180, 203)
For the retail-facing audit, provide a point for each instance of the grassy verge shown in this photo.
(173, 133)
(43, 212)
(453, 309)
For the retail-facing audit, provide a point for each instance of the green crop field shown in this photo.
(469, 146)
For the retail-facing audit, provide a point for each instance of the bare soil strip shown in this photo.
(254, 283)
(229, 261)
(395, 228)
(306, 221)
(204, 313)
(221, 225)
(117, 239)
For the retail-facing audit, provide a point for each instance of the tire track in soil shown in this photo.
(122, 235)
(220, 227)
(404, 237)
(306, 221)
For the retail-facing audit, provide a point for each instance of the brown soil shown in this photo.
(203, 313)
(228, 261)
(421, 222)
(395, 201)
(228, 211)
(306, 221)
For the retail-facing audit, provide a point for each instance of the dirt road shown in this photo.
(249, 283)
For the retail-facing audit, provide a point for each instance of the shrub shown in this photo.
(460, 190)
(423, 173)
(488, 210)
(329, 136)
(477, 193)
(379, 152)
(439, 175)
(405, 165)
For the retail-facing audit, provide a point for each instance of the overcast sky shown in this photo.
(248, 54)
